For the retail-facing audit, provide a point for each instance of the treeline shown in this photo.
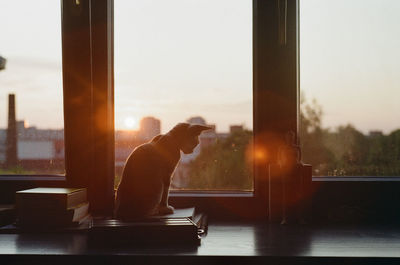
(346, 151)
(223, 166)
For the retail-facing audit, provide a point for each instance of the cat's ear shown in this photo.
(196, 129)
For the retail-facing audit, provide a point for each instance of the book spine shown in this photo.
(28, 203)
(76, 198)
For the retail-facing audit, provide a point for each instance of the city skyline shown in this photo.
(131, 126)
(205, 67)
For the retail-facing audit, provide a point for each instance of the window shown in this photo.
(87, 64)
(349, 86)
(31, 120)
(187, 61)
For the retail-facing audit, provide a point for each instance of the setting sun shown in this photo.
(131, 123)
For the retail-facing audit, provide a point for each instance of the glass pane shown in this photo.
(31, 120)
(350, 59)
(187, 61)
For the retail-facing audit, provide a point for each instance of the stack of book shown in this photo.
(52, 207)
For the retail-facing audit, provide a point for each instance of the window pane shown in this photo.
(31, 120)
(350, 60)
(187, 61)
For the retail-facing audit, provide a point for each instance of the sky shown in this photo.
(350, 61)
(181, 58)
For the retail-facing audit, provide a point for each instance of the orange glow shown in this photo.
(256, 154)
(260, 154)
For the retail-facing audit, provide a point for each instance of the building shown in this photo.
(149, 127)
(36, 148)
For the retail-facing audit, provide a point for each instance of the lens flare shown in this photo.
(256, 154)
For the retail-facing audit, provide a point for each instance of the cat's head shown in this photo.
(187, 136)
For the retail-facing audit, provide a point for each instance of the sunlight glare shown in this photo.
(131, 123)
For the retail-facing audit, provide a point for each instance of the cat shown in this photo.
(144, 187)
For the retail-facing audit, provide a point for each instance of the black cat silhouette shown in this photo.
(144, 187)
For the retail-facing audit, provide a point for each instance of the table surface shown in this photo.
(229, 240)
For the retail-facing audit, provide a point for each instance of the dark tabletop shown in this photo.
(235, 241)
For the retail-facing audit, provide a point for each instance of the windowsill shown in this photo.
(355, 179)
(225, 243)
(208, 194)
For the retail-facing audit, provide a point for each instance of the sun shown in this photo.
(131, 123)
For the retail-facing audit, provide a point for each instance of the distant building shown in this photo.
(36, 148)
(236, 128)
(375, 133)
(196, 120)
(149, 127)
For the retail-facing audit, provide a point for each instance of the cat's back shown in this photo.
(141, 161)
(139, 191)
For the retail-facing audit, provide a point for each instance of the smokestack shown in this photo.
(11, 151)
(2, 63)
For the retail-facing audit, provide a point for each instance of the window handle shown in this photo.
(282, 23)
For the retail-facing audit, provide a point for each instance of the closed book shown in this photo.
(199, 218)
(179, 227)
(7, 214)
(178, 213)
(50, 198)
(176, 230)
(40, 217)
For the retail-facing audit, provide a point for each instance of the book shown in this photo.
(42, 217)
(79, 227)
(199, 218)
(178, 213)
(157, 231)
(49, 198)
(7, 214)
(178, 227)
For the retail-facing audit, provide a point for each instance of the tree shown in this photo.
(223, 166)
(344, 151)
(313, 138)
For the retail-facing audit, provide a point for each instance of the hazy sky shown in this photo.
(180, 58)
(350, 61)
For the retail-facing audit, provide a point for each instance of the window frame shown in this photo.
(275, 108)
(354, 199)
(88, 85)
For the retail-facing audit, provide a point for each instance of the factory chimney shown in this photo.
(11, 151)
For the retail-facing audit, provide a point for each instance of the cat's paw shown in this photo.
(165, 209)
